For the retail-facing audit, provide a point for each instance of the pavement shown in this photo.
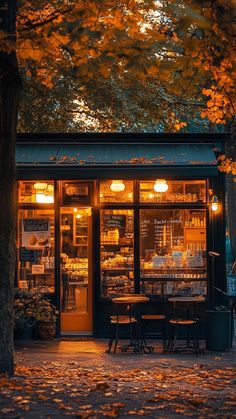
(75, 377)
(93, 351)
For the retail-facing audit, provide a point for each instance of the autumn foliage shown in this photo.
(182, 52)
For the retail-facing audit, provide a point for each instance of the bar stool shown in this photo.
(159, 319)
(191, 328)
(118, 322)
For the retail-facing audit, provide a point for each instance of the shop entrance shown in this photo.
(76, 278)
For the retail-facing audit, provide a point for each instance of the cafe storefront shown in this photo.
(107, 214)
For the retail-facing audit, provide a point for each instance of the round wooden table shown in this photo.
(131, 301)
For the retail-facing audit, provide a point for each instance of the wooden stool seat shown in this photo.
(153, 317)
(159, 331)
(183, 322)
(123, 320)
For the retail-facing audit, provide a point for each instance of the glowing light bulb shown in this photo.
(117, 186)
(161, 185)
(214, 203)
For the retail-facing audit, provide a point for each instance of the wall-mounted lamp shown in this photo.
(160, 185)
(117, 186)
(214, 203)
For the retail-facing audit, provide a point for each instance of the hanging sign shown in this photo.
(36, 233)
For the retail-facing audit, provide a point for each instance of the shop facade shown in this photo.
(107, 214)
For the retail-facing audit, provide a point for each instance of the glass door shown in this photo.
(76, 285)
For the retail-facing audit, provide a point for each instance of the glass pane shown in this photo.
(173, 246)
(117, 252)
(40, 192)
(116, 191)
(74, 259)
(76, 193)
(36, 250)
(178, 191)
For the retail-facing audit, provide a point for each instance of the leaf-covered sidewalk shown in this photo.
(82, 381)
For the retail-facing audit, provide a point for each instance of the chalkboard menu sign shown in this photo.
(157, 233)
(114, 221)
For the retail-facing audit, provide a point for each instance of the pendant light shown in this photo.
(40, 186)
(117, 186)
(161, 185)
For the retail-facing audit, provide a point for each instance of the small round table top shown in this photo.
(199, 299)
(132, 299)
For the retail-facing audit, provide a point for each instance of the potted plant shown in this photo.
(24, 304)
(31, 309)
(45, 314)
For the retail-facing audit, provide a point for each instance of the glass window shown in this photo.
(36, 250)
(76, 193)
(36, 192)
(178, 191)
(116, 191)
(173, 251)
(117, 252)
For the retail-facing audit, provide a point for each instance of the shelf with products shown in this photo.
(174, 288)
(113, 282)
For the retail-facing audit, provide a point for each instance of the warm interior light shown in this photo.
(78, 216)
(40, 186)
(214, 203)
(50, 189)
(41, 198)
(151, 196)
(117, 186)
(161, 185)
(75, 210)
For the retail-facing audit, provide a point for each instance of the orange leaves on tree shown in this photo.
(226, 165)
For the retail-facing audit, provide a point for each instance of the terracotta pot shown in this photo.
(46, 330)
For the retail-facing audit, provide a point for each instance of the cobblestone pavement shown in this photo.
(77, 378)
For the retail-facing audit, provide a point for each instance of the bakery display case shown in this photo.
(173, 251)
(116, 252)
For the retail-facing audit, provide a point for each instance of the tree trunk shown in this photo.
(9, 95)
(231, 190)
